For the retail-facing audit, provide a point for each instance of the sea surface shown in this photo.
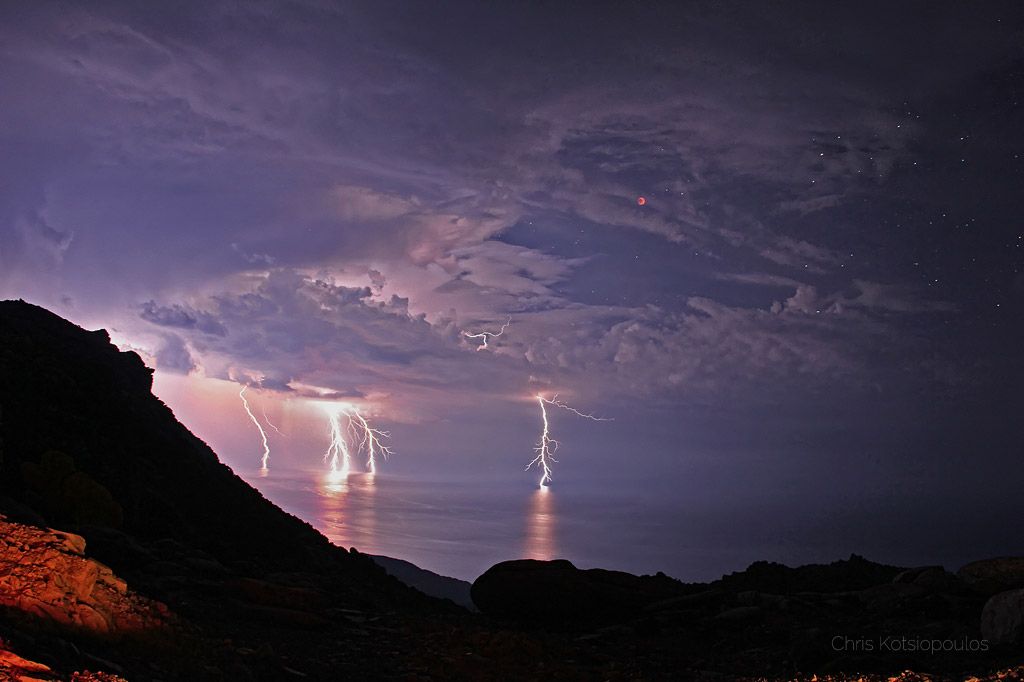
(636, 505)
(461, 527)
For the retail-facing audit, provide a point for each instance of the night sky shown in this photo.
(818, 304)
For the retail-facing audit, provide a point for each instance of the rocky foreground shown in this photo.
(68, 616)
(167, 566)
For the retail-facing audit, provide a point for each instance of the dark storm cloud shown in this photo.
(58, 241)
(251, 168)
(295, 333)
(450, 165)
(182, 317)
(172, 355)
(709, 350)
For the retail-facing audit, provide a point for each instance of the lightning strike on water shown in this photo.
(370, 441)
(337, 454)
(545, 449)
(358, 435)
(263, 434)
(547, 445)
(483, 336)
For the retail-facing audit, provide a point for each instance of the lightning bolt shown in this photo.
(545, 449)
(483, 336)
(370, 441)
(547, 446)
(263, 434)
(337, 454)
(358, 435)
(558, 403)
(270, 423)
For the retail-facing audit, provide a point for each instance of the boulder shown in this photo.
(1002, 619)
(932, 578)
(556, 592)
(990, 576)
(44, 574)
(14, 667)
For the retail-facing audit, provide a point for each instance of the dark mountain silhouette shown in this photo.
(85, 442)
(86, 447)
(428, 582)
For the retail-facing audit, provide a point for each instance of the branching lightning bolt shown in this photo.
(270, 423)
(547, 446)
(558, 403)
(263, 434)
(337, 454)
(361, 437)
(545, 449)
(370, 441)
(484, 336)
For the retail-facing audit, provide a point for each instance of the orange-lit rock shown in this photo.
(14, 667)
(44, 573)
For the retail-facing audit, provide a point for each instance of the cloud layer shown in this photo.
(325, 196)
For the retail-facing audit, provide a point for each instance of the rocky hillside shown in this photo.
(85, 447)
(85, 443)
(850, 615)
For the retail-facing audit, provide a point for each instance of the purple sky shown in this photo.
(822, 295)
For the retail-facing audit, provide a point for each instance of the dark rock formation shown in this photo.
(427, 582)
(990, 576)
(1002, 620)
(15, 667)
(557, 592)
(929, 577)
(855, 573)
(849, 615)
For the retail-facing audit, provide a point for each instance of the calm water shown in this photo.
(451, 528)
(694, 513)
(461, 527)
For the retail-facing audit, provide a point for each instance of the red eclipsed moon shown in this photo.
(640, 201)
